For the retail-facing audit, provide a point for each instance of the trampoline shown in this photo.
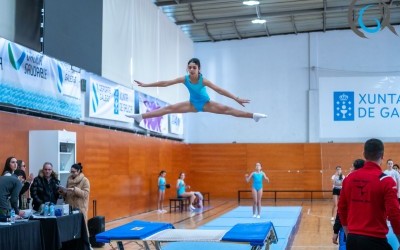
(256, 235)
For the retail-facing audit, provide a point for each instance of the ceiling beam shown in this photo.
(293, 24)
(268, 15)
(324, 16)
(259, 16)
(286, 33)
(315, 10)
(208, 33)
(192, 13)
(258, 11)
(236, 30)
(266, 29)
(175, 2)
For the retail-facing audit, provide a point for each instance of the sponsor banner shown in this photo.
(176, 124)
(146, 104)
(359, 107)
(109, 100)
(32, 80)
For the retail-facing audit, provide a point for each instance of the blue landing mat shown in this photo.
(205, 245)
(285, 221)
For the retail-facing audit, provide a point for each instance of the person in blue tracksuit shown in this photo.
(257, 188)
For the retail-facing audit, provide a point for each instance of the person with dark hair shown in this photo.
(24, 198)
(337, 180)
(368, 199)
(199, 99)
(44, 187)
(76, 194)
(396, 167)
(338, 232)
(394, 174)
(357, 164)
(9, 166)
(25, 187)
(9, 190)
(161, 191)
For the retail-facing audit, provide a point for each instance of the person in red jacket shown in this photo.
(367, 199)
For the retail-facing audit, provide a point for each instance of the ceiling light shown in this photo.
(251, 3)
(260, 21)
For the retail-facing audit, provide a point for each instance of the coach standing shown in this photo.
(368, 198)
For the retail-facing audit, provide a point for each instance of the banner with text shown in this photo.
(146, 104)
(359, 107)
(176, 124)
(32, 80)
(107, 100)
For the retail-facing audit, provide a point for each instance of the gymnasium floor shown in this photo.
(314, 228)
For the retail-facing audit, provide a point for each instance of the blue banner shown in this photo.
(32, 80)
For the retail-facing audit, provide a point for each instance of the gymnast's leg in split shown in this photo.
(188, 107)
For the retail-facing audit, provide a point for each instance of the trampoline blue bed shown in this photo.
(257, 235)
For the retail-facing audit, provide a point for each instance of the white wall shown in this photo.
(272, 73)
(141, 43)
(280, 75)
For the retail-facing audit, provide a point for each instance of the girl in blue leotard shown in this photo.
(257, 188)
(199, 99)
(181, 190)
(161, 191)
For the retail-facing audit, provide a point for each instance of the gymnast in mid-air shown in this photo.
(199, 99)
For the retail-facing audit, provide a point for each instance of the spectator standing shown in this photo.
(77, 191)
(9, 190)
(337, 180)
(394, 174)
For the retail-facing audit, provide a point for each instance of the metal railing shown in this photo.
(240, 192)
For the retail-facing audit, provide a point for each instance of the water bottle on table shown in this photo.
(52, 210)
(12, 215)
(46, 210)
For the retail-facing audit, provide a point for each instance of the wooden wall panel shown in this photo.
(217, 168)
(281, 163)
(123, 167)
(289, 167)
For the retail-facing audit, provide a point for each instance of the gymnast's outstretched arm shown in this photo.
(224, 92)
(161, 83)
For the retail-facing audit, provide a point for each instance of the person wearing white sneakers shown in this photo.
(199, 99)
(162, 184)
(257, 188)
(181, 190)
